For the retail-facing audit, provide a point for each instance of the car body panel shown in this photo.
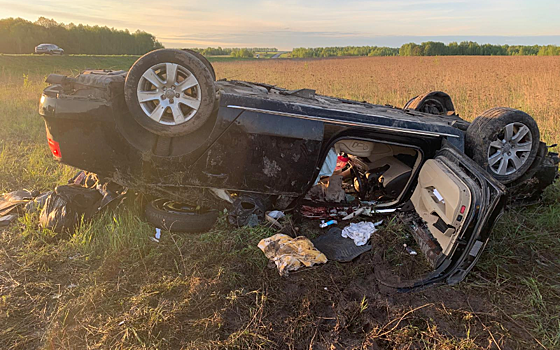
(267, 152)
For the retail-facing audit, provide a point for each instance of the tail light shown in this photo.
(55, 148)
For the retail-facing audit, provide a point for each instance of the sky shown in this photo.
(286, 24)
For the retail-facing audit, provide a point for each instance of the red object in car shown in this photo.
(341, 162)
(55, 148)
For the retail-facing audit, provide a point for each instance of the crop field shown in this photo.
(109, 286)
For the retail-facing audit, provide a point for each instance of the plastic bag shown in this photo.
(67, 205)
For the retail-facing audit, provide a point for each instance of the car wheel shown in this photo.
(170, 92)
(179, 217)
(433, 102)
(504, 141)
(204, 60)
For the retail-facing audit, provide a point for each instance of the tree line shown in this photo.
(430, 48)
(21, 36)
(236, 52)
(302, 52)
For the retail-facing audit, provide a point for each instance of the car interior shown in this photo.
(380, 174)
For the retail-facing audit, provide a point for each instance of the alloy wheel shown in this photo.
(169, 93)
(510, 151)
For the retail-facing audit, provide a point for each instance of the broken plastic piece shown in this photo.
(354, 214)
(410, 250)
(360, 232)
(328, 223)
(158, 233)
(373, 211)
(276, 214)
(290, 254)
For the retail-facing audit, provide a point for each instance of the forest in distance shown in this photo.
(20, 36)
(430, 48)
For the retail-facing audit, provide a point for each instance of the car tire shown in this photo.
(504, 141)
(204, 60)
(177, 217)
(433, 102)
(163, 105)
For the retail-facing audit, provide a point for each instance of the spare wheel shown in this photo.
(170, 92)
(179, 217)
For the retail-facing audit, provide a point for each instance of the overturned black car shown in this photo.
(169, 129)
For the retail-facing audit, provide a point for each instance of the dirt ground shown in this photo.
(217, 291)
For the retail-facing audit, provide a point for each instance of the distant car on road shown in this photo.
(50, 49)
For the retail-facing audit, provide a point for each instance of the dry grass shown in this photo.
(110, 287)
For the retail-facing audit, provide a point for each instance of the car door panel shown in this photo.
(456, 251)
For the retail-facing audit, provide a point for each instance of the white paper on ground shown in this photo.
(360, 232)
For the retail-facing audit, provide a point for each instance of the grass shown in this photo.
(16, 66)
(110, 286)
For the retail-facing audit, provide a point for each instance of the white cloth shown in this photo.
(360, 232)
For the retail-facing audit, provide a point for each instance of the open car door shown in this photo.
(451, 214)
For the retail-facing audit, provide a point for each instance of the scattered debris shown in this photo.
(14, 204)
(157, 236)
(328, 223)
(276, 214)
(37, 203)
(66, 206)
(373, 211)
(360, 232)
(7, 219)
(222, 194)
(290, 254)
(410, 250)
(354, 214)
(247, 211)
(14, 200)
(338, 248)
(334, 191)
(83, 197)
(318, 212)
(341, 162)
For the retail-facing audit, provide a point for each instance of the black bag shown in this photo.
(66, 206)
